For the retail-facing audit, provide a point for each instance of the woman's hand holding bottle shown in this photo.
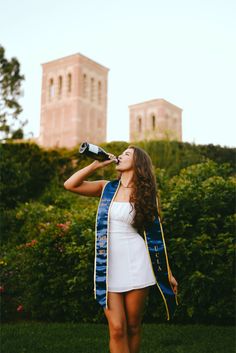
(98, 164)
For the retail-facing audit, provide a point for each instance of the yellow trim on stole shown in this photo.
(168, 266)
(108, 241)
(167, 310)
(95, 252)
(167, 261)
(95, 249)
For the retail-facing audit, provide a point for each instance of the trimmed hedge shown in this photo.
(199, 217)
(25, 172)
(26, 169)
(47, 250)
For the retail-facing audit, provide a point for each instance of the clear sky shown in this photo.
(183, 51)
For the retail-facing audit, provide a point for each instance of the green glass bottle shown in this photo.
(94, 152)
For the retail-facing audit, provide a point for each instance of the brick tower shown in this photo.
(155, 119)
(73, 102)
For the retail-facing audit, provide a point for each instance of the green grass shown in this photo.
(34, 337)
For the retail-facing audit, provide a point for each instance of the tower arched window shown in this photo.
(59, 86)
(85, 86)
(153, 122)
(69, 83)
(92, 89)
(99, 92)
(99, 123)
(51, 89)
(139, 124)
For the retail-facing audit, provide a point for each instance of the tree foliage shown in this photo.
(10, 92)
(26, 171)
(47, 248)
(199, 218)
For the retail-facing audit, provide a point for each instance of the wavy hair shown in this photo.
(144, 193)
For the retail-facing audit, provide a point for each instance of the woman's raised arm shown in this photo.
(77, 183)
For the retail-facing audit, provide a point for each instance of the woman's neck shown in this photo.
(126, 179)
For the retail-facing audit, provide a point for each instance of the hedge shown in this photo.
(47, 258)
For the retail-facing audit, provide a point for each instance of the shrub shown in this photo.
(25, 172)
(199, 215)
(51, 274)
(48, 234)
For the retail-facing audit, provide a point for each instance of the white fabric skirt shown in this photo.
(129, 265)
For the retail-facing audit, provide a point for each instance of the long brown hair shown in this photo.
(145, 190)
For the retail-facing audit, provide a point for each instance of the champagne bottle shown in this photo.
(95, 152)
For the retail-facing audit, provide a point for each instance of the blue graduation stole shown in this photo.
(155, 243)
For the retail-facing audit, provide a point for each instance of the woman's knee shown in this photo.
(118, 329)
(133, 329)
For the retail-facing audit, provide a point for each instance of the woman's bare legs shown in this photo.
(116, 318)
(124, 318)
(134, 307)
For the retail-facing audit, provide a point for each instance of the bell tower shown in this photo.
(73, 102)
(156, 119)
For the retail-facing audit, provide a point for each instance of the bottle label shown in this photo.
(92, 148)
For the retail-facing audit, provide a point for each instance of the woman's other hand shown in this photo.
(174, 283)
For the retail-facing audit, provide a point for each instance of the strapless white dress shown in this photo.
(129, 265)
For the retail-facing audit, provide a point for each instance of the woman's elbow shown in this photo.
(66, 185)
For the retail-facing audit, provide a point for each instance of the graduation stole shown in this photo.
(155, 244)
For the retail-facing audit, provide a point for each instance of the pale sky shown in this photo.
(183, 51)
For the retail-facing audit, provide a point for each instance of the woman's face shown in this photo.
(125, 160)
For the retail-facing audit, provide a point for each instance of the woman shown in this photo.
(127, 207)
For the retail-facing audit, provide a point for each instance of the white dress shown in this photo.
(129, 265)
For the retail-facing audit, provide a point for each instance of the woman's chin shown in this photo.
(118, 168)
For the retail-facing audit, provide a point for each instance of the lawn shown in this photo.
(35, 337)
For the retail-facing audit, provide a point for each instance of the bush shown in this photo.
(51, 274)
(25, 172)
(174, 155)
(199, 213)
(48, 235)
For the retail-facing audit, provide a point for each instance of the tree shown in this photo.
(199, 224)
(10, 92)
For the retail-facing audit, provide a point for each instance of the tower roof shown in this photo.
(158, 101)
(78, 56)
